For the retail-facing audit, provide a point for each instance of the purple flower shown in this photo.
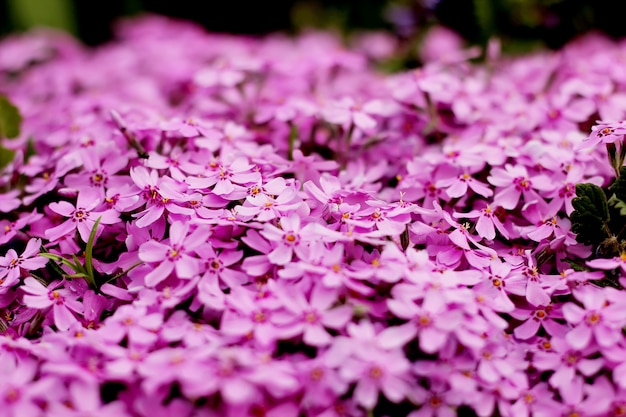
(82, 217)
(599, 318)
(62, 301)
(12, 265)
(175, 254)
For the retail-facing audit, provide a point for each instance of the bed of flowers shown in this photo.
(196, 224)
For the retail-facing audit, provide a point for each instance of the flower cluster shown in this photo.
(270, 227)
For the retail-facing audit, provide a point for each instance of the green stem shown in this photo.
(293, 135)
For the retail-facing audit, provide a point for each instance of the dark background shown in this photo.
(519, 23)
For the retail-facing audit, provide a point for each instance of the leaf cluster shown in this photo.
(10, 122)
(84, 269)
(599, 217)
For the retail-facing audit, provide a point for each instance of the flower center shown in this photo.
(593, 318)
(317, 374)
(376, 372)
(259, 317)
(311, 317)
(435, 402)
(80, 215)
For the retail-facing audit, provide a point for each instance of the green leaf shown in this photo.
(77, 275)
(10, 119)
(89, 253)
(591, 214)
(293, 135)
(60, 259)
(484, 14)
(121, 274)
(78, 266)
(36, 13)
(6, 156)
(619, 186)
(574, 265)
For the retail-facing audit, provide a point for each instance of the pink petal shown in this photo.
(150, 215)
(579, 337)
(527, 329)
(159, 274)
(363, 121)
(397, 336)
(484, 227)
(573, 313)
(315, 335)
(338, 317)
(366, 393)
(457, 189)
(237, 391)
(153, 251)
(281, 255)
(63, 208)
(508, 198)
(61, 230)
(536, 295)
(63, 318)
(431, 340)
(186, 267)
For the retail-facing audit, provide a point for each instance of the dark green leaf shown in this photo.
(89, 253)
(575, 265)
(77, 275)
(121, 274)
(591, 214)
(6, 156)
(60, 259)
(10, 119)
(619, 186)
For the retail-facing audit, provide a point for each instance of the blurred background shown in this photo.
(519, 24)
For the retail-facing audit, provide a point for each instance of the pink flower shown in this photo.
(133, 322)
(61, 300)
(457, 186)
(312, 316)
(514, 182)
(82, 217)
(609, 264)
(290, 238)
(487, 223)
(176, 254)
(604, 132)
(534, 319)
(347, 111)
(599, 318)
(12, 265)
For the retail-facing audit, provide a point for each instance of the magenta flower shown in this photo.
(457, 186)
(487, 223)
(542, 317)
(346, 111)
(133, 322)
(82, 217)
(599, 318)
(288, 239)
(12, 266)
(311, 317)
(609, 264)
(604, 132)
(175, 253)
(62, 301)
(515, 182)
